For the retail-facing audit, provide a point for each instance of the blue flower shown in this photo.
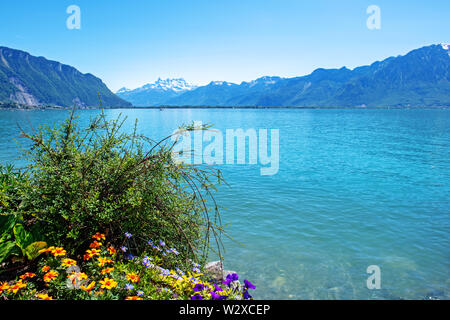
(217, 288)
(174, 251)
(196, 297)
(150, 242)
(130, 256)
(124, 249)
(140, 293)
(129, 286)
(196, 270)
(128, 235)
(249, 285)
(162, 243)
(246, 295)
(231, 278)
(199, 287)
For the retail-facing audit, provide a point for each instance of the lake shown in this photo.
(354, 188)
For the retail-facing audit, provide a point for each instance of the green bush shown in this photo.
(85, 180)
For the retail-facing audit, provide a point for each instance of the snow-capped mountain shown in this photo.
(419, 78)
(156, 93)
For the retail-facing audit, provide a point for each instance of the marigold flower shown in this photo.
(99, 293)
(68, 262)
(102, 261)
(16, 287)
(89, 287)
(4, 286)
(133, 298)
(95, 244)
(45, 268)
(108, 283)
(44, 296)
(58, 251)
(27, 275)
(111, 250)
(46, 249)
(107, 270)
(51, 275)
(77, 276)
(99, 236)
(133, 277)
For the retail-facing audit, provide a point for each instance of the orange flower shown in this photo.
(95, 244)
(108, 283)
(91, 253)
(89, 287)
(102, 261)
(68, 262)
(134, 298)
(51, 275)
(44, 296)
(107, 270)
(133, 277)
(27, 275)
(58, 251)
(99, 293)
(77, 276)
(3, 286)
(45, 268)
(111, 250)
(99, 236)
(15, 288)
(46, 249)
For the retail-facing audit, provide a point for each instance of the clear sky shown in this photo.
(130, 43)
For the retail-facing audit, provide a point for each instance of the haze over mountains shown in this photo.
(419, 78)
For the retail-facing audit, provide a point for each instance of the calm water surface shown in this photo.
(354, 188)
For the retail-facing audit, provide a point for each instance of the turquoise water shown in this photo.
(354, 188)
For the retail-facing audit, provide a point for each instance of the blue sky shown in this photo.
(130, 43)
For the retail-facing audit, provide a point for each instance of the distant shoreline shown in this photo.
(26, 108)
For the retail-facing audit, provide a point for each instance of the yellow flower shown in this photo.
(133, 298)
(58, 251)
(15, 288)
(133, 277)
(99, 236)
(111, 250)
(45, 268)
(68, 262)
(89, 287)
(27, 275)
(44, 296)
(95, 245)
(46, 249)
(91, 253)
(51, 275)
(102, 261)
(108, 283)
(77, 276)
(107, 270)
(3, 286)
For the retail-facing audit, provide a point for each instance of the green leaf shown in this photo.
(23, 237)
(6, 249)
(32, 251)
(7, 222)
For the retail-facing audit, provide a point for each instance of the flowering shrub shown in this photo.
(107, 273)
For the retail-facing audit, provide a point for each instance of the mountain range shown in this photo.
(26, 80)
(419, 78)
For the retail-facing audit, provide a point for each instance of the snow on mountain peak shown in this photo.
(445, 46)
(177, 85)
